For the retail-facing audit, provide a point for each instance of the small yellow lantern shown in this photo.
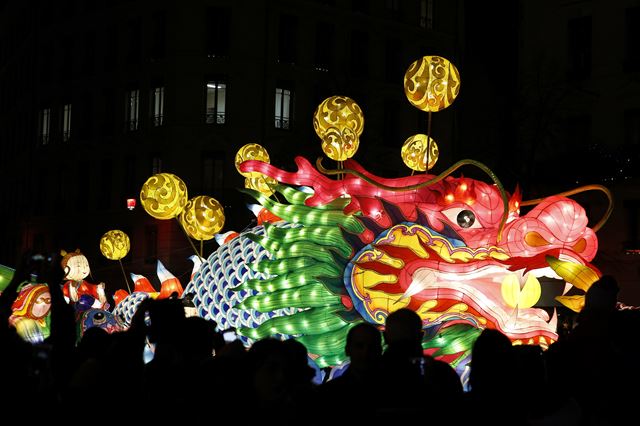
(431, 83)
(339, 122)
(114, 244)
(251, 151)
(414, 153)
(202, 218)
(163, 195)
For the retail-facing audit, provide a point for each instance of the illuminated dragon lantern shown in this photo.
(345, 246)
(455, 250)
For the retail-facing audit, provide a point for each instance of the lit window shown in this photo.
(45, 125)
(66, 123)
(157, 102)
(283, 108)
(133, 102)
(216, 102)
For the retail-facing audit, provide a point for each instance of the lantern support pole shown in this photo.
(201, 246)
(428, 142)
(195, 250)
(124, 275)
(273, 191)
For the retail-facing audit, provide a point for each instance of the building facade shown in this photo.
(98, 96)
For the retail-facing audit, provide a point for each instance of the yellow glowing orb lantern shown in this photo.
(414, 153)
(202, 218)
(251, 151)
(263, 184)
(114, 244)
(431, 83)
(164, 195)
(339, 122)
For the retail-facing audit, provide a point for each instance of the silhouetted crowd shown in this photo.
(587, 377)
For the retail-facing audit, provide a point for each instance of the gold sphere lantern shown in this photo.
(431, 83)
(114, 244)
(163, 195)
(339, 122)
(202, 218)
(414, 153)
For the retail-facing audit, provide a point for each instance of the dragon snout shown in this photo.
(556, 223)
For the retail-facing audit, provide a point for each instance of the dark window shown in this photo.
(111, 54)
(426, 14)
(361, 6)
(89, 53)
(158, 33)
(65, 183)
(218, 27)
(66, 68)
(392, 8)
(324, 46)
(393, 66)
(129, 176)
(156, 164)
(151, 243)
(632, 39)
(109, 115)
(359, 54)
(106, 176)
(216, 97)
(212, 171)
(134, 39)
(46, 67)
(83, 198)
(579, 47)
(287, 39)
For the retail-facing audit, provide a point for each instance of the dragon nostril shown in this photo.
(533, 239)
(579, 246)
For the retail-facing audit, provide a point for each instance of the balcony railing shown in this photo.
(282, 123)
(215, 118)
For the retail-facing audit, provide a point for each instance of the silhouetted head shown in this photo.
(602, 295)
(491, 361)
(403, 325)
(364, 345)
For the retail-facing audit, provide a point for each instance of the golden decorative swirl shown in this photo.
(114, 244)
(414, 152)
(202, 218)
(163, 195)
(262, 183)
(438, 178)
(339, 122)
(578, 190)
(431, 83)
(251, 151)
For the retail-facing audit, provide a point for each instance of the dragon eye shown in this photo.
(99, 318)
(464, 218)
